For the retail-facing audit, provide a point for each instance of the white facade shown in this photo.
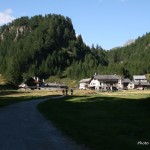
(131, 85)
(120, 84)
(98, 85)
(95, 83)
(139, 78)
(104, 82)
(139, 81)
(83, 84)
(112, 82)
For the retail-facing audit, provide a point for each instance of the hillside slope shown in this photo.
(41, 46)
(48, 46)
(132, 59)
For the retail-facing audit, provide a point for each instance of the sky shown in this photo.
(108, 23)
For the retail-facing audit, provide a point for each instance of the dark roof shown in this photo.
(107, 77)
(33, 81)
(57, 84)
(139, 77)
(145, 83)
(135, 83)
(126, 81)
(141, 83)
(85, 80)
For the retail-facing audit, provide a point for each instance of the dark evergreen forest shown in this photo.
(48, 46)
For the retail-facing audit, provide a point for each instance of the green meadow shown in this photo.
(99, 121)
(102, 122)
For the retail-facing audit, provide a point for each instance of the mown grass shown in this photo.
(102, 122)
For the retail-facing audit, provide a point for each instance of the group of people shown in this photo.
(65, 91)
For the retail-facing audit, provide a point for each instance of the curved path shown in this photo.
(22, 127)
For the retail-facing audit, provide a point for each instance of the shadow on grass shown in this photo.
(9, 92)
(7, 86)
(105, 123)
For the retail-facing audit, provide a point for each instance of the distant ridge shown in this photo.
(129, 42)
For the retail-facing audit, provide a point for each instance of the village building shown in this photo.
(83, 84)
(52, 85)
(34, 83)
(123, 83)
(139, 82)
(139, 78)
(104, 82)
(56, 86)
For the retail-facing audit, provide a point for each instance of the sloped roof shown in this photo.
(141, 83)
(53, 84)
(85, 80)
(106, 77)
(145, 83)
(32, 81)
(135, 83)
(139, 77)
(126, 80)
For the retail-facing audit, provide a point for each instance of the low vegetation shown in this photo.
(2, 80)
(105, 121)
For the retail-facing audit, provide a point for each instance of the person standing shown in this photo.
(71, 91)
(63, 92)
(66, 91)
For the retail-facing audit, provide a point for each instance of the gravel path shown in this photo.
(22, 127)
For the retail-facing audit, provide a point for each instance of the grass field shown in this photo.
(103, 121)
(8, 97)
(100, 121)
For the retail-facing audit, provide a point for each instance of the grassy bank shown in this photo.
(102, 122)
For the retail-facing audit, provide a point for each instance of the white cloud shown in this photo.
(5, 17)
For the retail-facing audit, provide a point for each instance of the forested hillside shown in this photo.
(132, 59)
(47, 45)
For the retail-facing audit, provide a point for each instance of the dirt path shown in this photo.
(22, 127)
